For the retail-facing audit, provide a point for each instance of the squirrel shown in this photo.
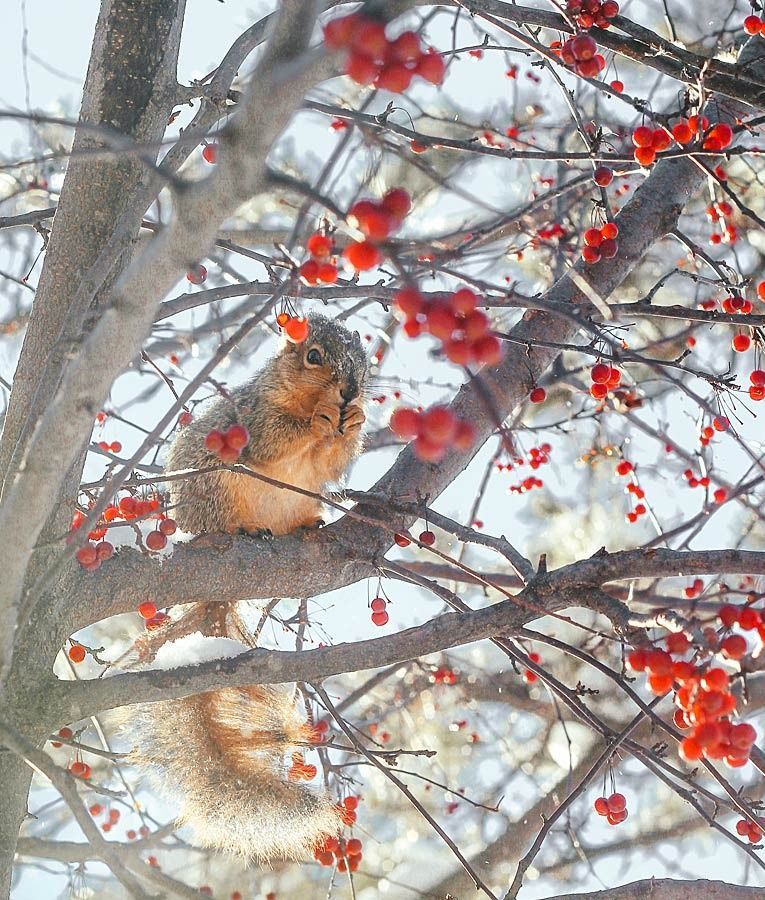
(222, 753)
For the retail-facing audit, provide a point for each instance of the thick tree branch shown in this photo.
(670, 889)
(547, 593)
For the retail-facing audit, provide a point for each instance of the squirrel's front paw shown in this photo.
(326, 419)
(352, 419)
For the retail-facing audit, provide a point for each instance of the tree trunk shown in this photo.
(129, 91)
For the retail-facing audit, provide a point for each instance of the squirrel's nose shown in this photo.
(349, 390)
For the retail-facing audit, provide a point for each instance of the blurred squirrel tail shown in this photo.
(223, 755)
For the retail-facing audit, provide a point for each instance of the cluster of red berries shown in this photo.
(625, 468)
(295, 327)
(152, 618)
(757, 390)
(528, 676)
(693, 481)
(600, 243)
(537, 456)
(319, 269)
(434, 431)
(376, 220)
(753, 833)
(373, 58)
(580, 53)
(80, 769)
(754, 25)
(604, 378)
(157, 540)
(227, 445)
(197, 275)
(348, 807)
(465, 331)
(722, 212)
(379, 612)
(300, 770)
(737, 304)
(528, 484)
(650, 141)
(444, 675)
(114, 447)
(613, 808)
(702, 694)
(719, 423)
(587, 13)
(112, 818)
(337, 851)
(91, 555)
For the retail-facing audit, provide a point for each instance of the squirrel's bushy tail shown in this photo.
(222, 755)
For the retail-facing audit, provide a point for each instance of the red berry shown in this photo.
(87, 555)
(396, 202)
(309, 272)
(380, 618)
(214, 442)
(488, 350)
(319, 245)
(593, 237)
(362, 255)
(147, 610)
(438, 424)
(752, 24)
(155, 540)
(432, 68)
(601, 806)
(104, 551)
(378, 604)
(642, 136)
(538, 395)
(237, 437)
(734, 646)
(600, 373)
(395, 78)
(682, 133)
(591, 255)
(405, 48)
(361, 68)
(296, 331)
(168, 527)
(197, 275)
(401, 540)
(210, 153)
(76, 653)
(583, 47)
(405, 423)
(603, 176)
(646, 156)
(617, 803)
(741, 343)
(427, 538)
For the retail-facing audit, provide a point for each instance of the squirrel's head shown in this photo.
(331, 357)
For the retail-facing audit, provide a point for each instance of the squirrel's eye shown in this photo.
(313, 357)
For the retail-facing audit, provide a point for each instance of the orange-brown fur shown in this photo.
(224, 751)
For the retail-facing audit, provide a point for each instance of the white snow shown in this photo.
(196, 648)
